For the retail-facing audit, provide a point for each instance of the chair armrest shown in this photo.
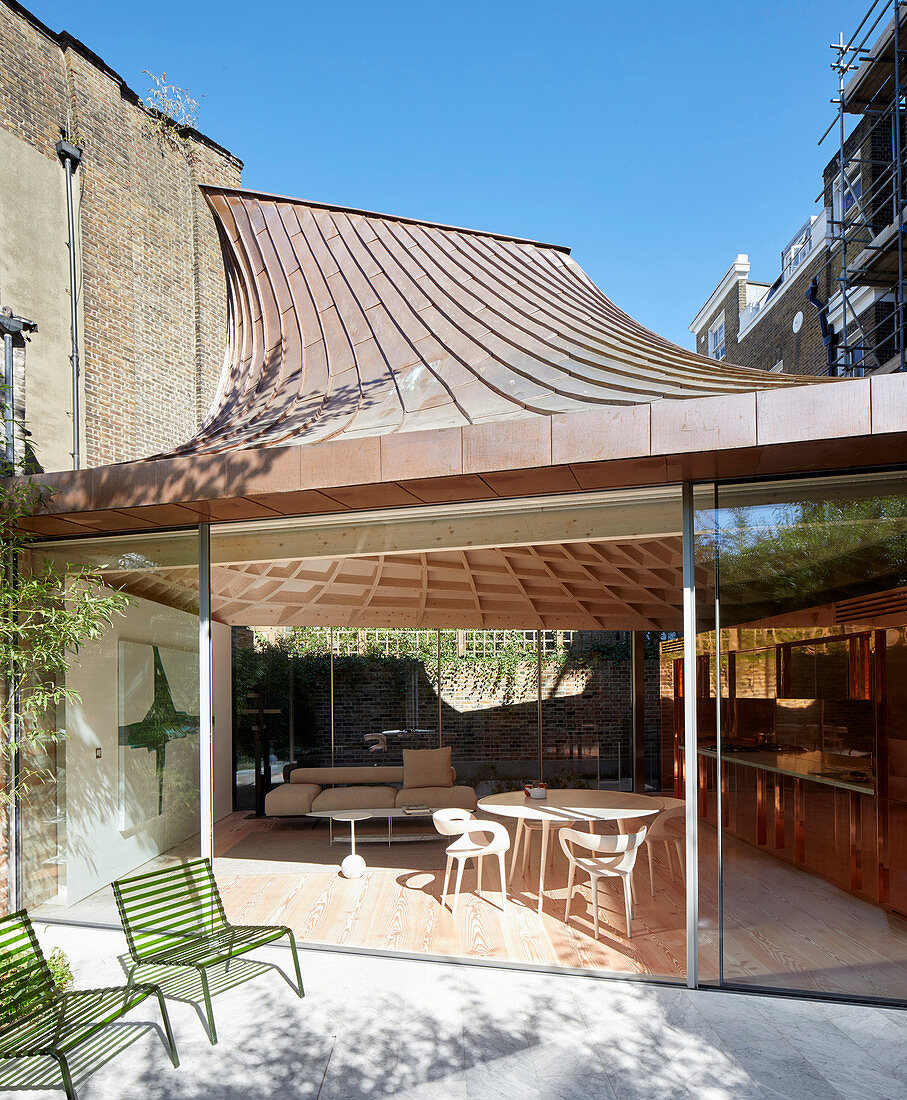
(493, 829)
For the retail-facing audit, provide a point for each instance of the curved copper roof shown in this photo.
(344, 323)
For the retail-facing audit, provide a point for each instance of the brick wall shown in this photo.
(492, 726)
(153, 290)
(772, 337)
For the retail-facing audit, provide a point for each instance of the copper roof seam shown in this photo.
(450, 390)
(631, 371)
(548, 343)
(510, 365)
(466, 366)
(539, 268)
(238, 284)
(301, 393)
(681, 354)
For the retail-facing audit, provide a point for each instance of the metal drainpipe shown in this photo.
(71, 156)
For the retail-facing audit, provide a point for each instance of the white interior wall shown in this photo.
(96, 848)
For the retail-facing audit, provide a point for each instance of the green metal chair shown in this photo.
(175, 917)
(39, 1021)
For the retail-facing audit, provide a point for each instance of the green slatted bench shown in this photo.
(37, 1020)
(175, 917)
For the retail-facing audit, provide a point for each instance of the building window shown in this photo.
(797, 249)
(716, 338)
(853, 191)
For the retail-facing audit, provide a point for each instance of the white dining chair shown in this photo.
(472, 843)
(661, 829)
(611, 856)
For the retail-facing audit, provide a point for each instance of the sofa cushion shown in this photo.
(438, 798)
(381, 773)
(355, 798)
(290, 799)
(427, 768)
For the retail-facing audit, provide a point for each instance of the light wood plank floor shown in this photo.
(783, 928)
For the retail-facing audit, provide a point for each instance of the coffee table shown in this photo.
(392, 813)
(619, 806)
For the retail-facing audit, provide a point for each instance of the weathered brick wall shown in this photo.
(153, 287)
(772, 336)
(492, 726)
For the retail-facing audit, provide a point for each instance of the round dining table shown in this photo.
(561, 805)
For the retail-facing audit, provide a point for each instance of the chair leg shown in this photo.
(633, 886)
(501, 865)
(569, 900)
(627, 896)
(651, 872)
(446, 880)
(479, 874)
(669, 857)
(595, 882)
(527, 844)
(461, 863)
(679, 859)
(67, 1077)
(212, 1030)
(174, 1057)
(292, 939)
(518, 836)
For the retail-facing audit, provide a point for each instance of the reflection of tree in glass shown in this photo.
(162, 723)
(808, 553)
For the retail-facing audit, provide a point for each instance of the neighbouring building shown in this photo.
(837, 305)
(149, 275)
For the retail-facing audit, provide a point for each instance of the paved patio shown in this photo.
(372, 1027)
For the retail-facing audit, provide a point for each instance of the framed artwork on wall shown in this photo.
(158, 732)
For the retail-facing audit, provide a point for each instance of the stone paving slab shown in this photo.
(371, 1027)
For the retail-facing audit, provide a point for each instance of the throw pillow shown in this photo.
(427, 768)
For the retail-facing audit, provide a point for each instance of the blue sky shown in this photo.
(657, 139)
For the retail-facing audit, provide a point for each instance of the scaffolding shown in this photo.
(866, 193)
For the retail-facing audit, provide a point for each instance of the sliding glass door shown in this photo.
(802, 769)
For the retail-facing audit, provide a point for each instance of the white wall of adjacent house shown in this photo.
(119, 815)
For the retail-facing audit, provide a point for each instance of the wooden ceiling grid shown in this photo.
(580, 586)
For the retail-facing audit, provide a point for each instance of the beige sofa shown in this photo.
(362, 788)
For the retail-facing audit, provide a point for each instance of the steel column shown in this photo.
(538, 673)
(638, 710)
(690, 738)
(205, 695)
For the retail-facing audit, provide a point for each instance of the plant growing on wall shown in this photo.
(46, 614)
(172, 111)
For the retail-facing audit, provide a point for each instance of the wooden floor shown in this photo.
(783, 928)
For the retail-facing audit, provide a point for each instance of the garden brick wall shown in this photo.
(153, 291)
(491, 728)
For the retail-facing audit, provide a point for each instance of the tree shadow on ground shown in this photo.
(85, 1060)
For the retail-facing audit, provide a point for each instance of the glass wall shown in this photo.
(801, 761)
(356, 639)
(119, 787)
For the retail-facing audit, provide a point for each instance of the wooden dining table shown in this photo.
(567, 805)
